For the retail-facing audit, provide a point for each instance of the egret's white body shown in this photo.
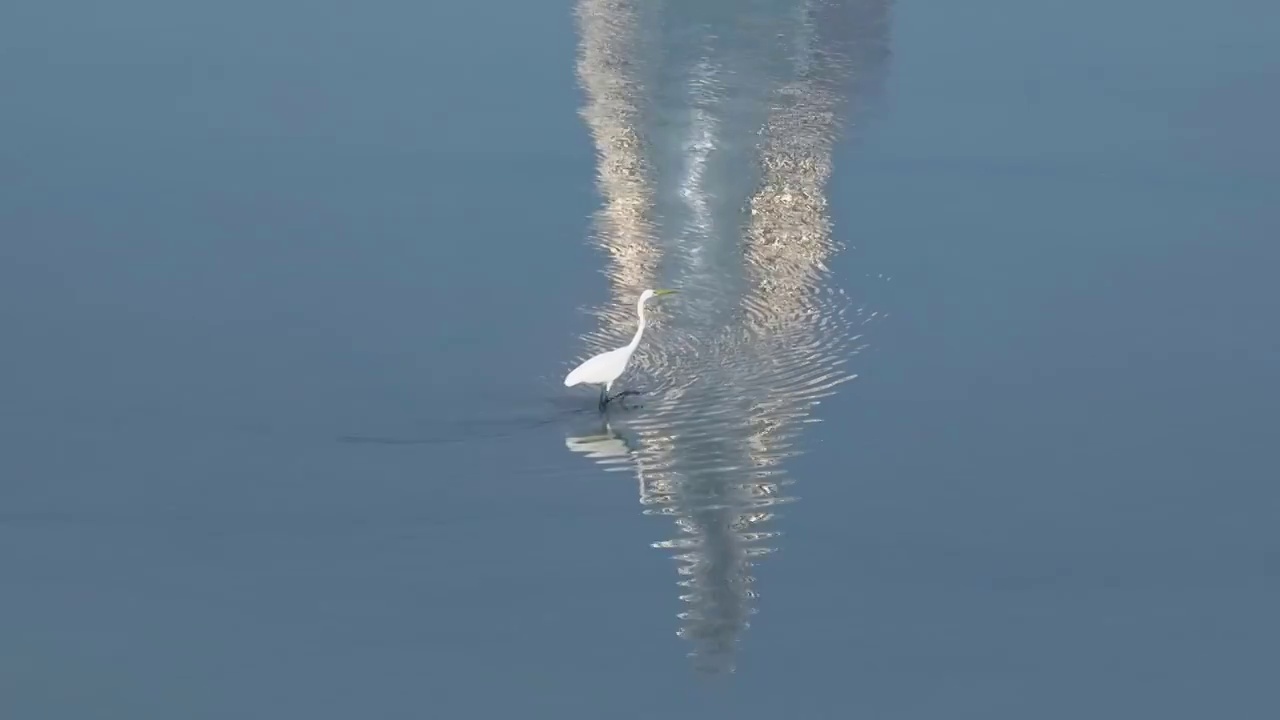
(605, 368)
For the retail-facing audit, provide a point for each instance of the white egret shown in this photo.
(606, 367)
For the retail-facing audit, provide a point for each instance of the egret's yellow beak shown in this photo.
(663, 292)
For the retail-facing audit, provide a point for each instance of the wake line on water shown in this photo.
(499, 426)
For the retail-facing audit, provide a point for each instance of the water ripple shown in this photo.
(732, 368)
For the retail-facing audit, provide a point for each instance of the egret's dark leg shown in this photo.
(604, 398)
(623, 394)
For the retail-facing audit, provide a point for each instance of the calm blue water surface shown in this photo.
(964, 410)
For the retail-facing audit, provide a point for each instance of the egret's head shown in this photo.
(654, 293)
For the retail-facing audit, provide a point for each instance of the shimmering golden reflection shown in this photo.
(610, 39)
(725, 407)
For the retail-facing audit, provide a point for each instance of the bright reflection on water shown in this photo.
(714, 125)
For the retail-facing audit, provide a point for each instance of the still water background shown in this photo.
(287, 291)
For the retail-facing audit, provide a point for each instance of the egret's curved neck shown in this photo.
(635, 341)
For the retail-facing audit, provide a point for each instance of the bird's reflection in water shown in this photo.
(714, 125)
(606, 447)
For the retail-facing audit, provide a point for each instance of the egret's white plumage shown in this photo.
(606, 367)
